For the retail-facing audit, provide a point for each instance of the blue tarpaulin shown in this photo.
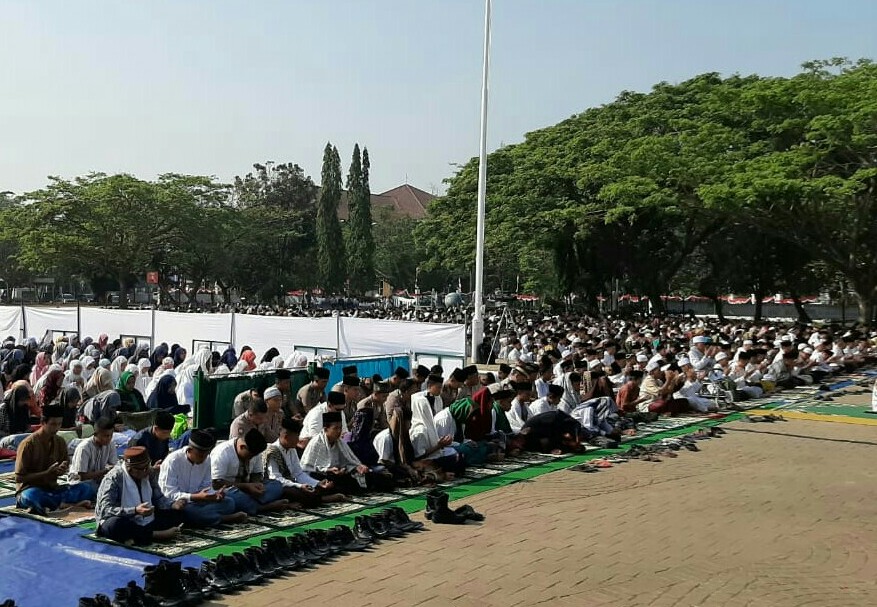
(368, 366)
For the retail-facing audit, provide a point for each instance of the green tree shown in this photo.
(331, 260)
(98, 225)
(274, 219)
(360, 242)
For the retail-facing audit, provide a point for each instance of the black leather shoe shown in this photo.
(137, 597)
(343, 535)
(121, 597)
(469, 512)
(221, 573)
(363, 531)
(444, 515)
(389, 524)
(319, 542)
(246, 571)
(196, 581)
(278, 548)
(401, 519)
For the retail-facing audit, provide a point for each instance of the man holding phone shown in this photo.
(130, 505)
(185, 475)
(41, 460)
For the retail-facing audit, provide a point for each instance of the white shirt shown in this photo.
(541, 388)
(299, 479)
(312, 424)
(383, 444)
(445, 424)
(179, 478)
(516, 415)
(541, 405)
(225, 463)
(89, 457)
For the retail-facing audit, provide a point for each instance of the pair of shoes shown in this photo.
(437, 510)
(398, 518)
(164, 583)
(344, 537)
(222, 573)
(585, 467)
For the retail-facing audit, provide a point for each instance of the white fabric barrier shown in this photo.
(366, 336)
(10, 322)
(285, 333)
(182, 328)
(40, 320)
(94, 321)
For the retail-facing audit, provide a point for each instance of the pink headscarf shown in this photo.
(41, 366)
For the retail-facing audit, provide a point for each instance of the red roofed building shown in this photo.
(404, 200)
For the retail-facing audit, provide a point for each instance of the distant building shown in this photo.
(404, 200)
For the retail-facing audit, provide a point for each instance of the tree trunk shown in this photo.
(717, 305)
(866, 309)
(803, 316)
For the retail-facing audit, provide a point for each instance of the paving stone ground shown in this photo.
(770, 515)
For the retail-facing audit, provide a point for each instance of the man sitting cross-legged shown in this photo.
(185, 475)
(283, 466)
(130, 506)
(236, 466)
(328, 457)
(41, 459)
(94, 457)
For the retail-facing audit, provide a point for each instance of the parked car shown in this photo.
(67, 298)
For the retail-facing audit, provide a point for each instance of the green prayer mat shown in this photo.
(185, 543)
(233, 533)
(284, 519)
(336, 509)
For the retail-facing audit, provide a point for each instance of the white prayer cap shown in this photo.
(271, 392)
(651, 367)
(666, 367)
(802, 346)
(576, 340)
(721, 356)
(594, 364)
(777, 343)
(642, 358)
(700, 339)
(684, 361)
(748, 342)
(808, 350)
(565, 353)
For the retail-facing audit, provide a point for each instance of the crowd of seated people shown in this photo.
(562, 383)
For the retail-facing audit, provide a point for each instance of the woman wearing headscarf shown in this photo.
(165, 369)
(165, 396)
(70, 400)
(140, 352)
(51, 389)
(179, 356)
(186, 376)
(143, 375)
(74, 377)
(100, 381)
(105, 404)
(267, 361)
(88, 366)
(159, 354)
(102, 341)
(42, 381)
(250, 358)
(58, 351)
(229, 357)
(130, 397)
(240, 367)
(117, 368)
(41, 367)
(15, 410)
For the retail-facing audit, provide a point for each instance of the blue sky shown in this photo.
(211, 86)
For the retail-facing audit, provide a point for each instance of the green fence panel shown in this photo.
(214, 396)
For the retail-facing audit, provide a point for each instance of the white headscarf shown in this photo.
(74, 379)
(143, 379)
(86, 372)
(422, 421)
(186, 375)
(120, 363)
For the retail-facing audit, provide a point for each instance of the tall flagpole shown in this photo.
(478, 318)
